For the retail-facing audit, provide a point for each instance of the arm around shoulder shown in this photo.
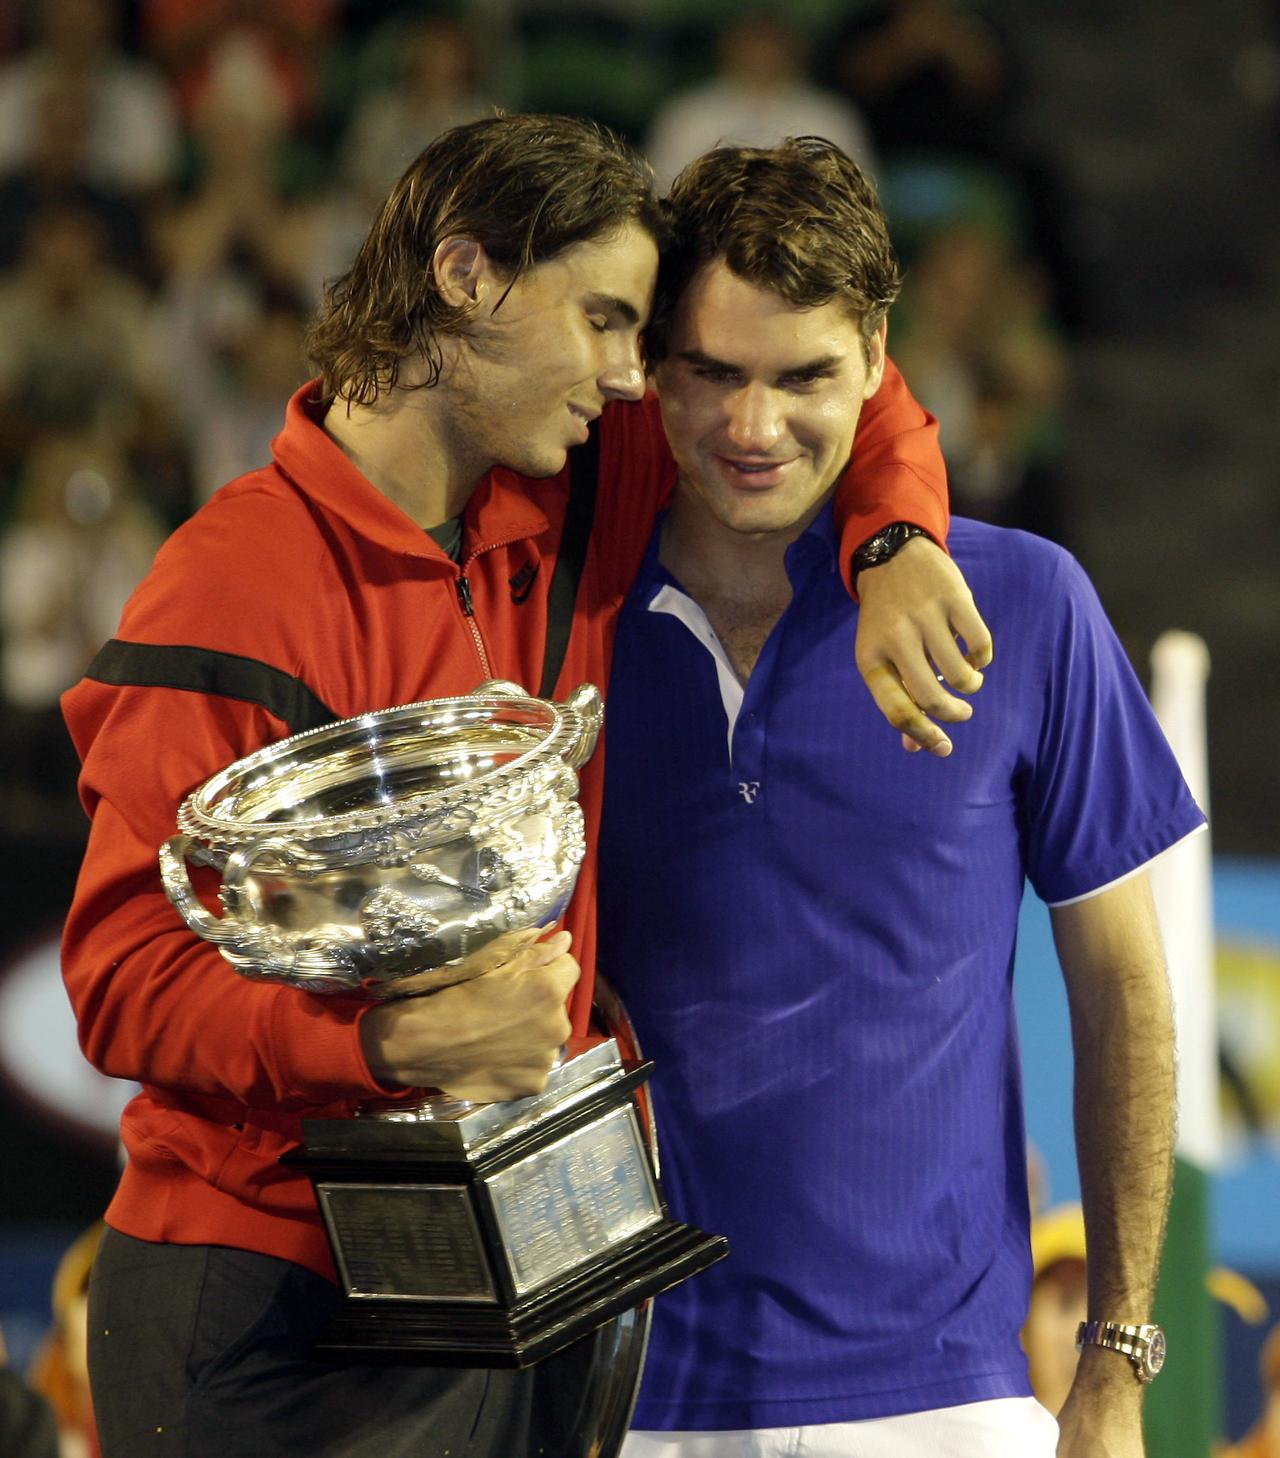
(896, 472)
(915, 603)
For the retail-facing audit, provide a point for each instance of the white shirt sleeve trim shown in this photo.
(1128, 875)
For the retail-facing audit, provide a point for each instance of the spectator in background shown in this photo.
(977, 342)
(61, 1371)
(75, 356)
(419, 77)
(1059, 1303)
(27, 1426)
(242, 266)
(1263, 1439)
(438, 88)
(237, 364)
(80, 542)
(57, 171)
(238, 226)
(131, 135)
(938, 85)
(196, 41)
(760, 95)
(926, 74)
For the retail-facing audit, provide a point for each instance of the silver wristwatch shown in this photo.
(1144, 1345)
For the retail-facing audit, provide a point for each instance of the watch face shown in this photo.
(1156, 1352)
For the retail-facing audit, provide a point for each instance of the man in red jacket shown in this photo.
(400, 546)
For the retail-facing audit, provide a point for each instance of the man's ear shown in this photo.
(875, 359)
(462, 271)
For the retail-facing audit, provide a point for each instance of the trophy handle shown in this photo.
(581, 715)
(243, 859)
(178, 888)
(314, 964)
(583, 712)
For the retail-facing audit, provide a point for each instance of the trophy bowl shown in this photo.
(391, 843)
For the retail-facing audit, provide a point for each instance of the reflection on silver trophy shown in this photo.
(392, 843)
(399, 842)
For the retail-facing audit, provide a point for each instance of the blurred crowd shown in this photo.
(179, 177)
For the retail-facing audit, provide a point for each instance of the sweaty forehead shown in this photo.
(617, 268)
(719, 310)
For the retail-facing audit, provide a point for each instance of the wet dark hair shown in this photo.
(524, 187)
(801, 219)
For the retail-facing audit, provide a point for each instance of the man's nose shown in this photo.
(623, 376)
(755, 419)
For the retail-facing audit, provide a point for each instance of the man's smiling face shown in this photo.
(760, 400)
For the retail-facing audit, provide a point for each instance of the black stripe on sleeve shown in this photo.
(204, 671)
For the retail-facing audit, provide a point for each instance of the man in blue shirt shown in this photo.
(815, 935)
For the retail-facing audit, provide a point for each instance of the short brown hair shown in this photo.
(524, 187)
(801, 219)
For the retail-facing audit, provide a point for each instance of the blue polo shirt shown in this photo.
(814, 934)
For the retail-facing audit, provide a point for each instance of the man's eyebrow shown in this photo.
(611, 304)
(818, 366)
(704, 361)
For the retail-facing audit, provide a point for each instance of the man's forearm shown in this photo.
(1122, 1033)
(1123, 1039)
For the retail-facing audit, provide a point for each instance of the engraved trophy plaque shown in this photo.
(398, 842)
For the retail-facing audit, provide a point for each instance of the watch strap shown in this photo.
(1142, 1343)
(885, 544)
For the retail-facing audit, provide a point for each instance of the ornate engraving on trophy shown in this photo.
(392, 843)
(406, 1242)
(574, 1198)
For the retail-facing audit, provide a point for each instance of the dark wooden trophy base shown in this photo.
(501, 1234)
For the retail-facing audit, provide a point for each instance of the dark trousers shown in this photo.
(205, 1352)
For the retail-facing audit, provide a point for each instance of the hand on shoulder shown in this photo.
(914, 608)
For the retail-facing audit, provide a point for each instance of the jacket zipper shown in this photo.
(469, 613)
(466, 603)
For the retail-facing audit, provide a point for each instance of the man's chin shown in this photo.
(542, 465)
(764, 524)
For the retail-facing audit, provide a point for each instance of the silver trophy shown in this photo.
(392, 843)
(399, 842)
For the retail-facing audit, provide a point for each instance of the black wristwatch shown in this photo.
(885, 544)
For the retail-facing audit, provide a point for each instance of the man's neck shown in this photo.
(706, 556)
(403, 446)
(739, 580)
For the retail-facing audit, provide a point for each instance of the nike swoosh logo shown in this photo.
(522, 583)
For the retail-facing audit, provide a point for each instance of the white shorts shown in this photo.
(1005, 1427)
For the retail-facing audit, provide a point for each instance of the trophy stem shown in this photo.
(429, 1108)
(436, 1107)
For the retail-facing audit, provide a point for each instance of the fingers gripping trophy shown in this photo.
(394, 854)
